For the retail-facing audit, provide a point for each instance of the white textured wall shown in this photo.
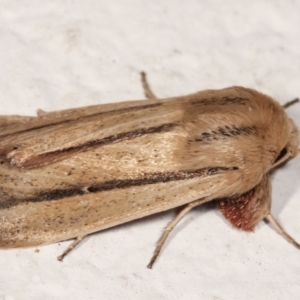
(61, 54)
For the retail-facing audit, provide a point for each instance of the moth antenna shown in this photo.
(71, 247)
(147, 90)
(170, 227)
(281, 231)
(289, 103)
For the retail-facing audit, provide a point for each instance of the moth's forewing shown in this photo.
(69, 173)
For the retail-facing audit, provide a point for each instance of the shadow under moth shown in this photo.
(69, 173)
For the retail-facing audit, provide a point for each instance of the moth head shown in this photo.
(290, 148)
(279, 133)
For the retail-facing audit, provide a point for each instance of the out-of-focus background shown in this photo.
(62, 54)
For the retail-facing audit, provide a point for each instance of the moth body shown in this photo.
(69, 173)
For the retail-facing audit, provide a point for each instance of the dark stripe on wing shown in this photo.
(145, 179)
(51, 123)
(58, 155)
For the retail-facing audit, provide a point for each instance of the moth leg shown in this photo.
(147, 90)
(71, 247)
(170, 227)
(289, 103)
(281, 231)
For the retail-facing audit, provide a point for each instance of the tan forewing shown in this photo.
(90, 169)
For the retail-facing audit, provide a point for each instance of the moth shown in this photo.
(69, 173)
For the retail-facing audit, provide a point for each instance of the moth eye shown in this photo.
(282, 154)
